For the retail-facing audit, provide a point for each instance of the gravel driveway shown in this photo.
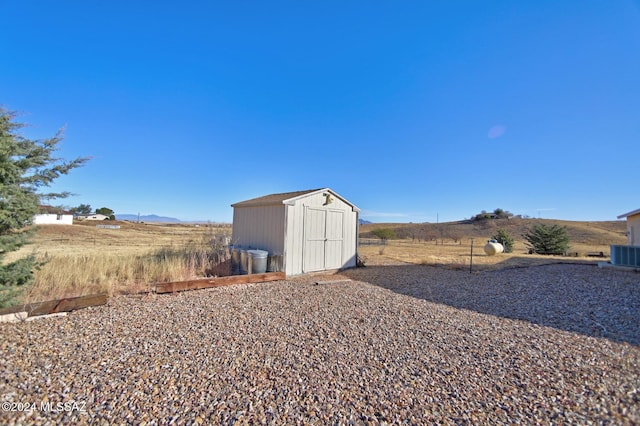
(412, 344)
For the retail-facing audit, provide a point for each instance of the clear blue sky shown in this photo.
(415, 111)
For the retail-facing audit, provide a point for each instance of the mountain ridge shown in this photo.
(147, 218)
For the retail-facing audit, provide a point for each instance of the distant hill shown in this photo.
(364, 222)
(147, 218)
(590, 233)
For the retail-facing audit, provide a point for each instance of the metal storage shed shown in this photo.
(313, 230)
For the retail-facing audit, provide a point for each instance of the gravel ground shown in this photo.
(416, 345)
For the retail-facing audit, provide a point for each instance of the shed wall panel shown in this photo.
(259, 227)
(295, 233)
(350, 241)
(633, 230)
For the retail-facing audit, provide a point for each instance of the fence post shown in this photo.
(471, 261)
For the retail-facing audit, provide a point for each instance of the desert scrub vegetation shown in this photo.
(81, 259)
(384, 234)
(63, 275)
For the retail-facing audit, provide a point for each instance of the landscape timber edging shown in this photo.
(172, 287)
(26, 311)
(55, 306)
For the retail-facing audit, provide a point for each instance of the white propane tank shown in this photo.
(493, 247)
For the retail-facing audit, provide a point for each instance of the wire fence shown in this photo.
(371, 242)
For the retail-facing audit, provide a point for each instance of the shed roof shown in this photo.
(285, 198)
(632, 213)
(272, 199)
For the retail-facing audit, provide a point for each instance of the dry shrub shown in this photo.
(76, 275)
(450, 262)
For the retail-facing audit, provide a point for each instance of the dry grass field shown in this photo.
(449, 244)
(82, 259)
(84, 238)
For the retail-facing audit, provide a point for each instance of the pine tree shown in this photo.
(547, 239)
(504, 238)
(26, 167)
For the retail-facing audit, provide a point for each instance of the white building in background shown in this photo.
(53, 219)
(96, 216)
(629, 255)
(314, 230)
(633, 227)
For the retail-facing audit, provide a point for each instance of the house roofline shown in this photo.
(631, 213)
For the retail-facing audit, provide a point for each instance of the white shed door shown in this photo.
(323, 239)
(333, 240)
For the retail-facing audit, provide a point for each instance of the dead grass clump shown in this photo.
(62, 276)
(457, 257)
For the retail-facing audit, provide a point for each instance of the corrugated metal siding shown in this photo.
(625, 256)
(259, 227)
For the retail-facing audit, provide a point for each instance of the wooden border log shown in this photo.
(35, 308)
(199, 284)
(71, 304)
(333, 282)
(54, 306)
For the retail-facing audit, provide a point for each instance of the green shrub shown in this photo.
(504, 238)
(384, 233)
(547, 239)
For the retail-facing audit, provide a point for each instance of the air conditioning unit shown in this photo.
(625, 256)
